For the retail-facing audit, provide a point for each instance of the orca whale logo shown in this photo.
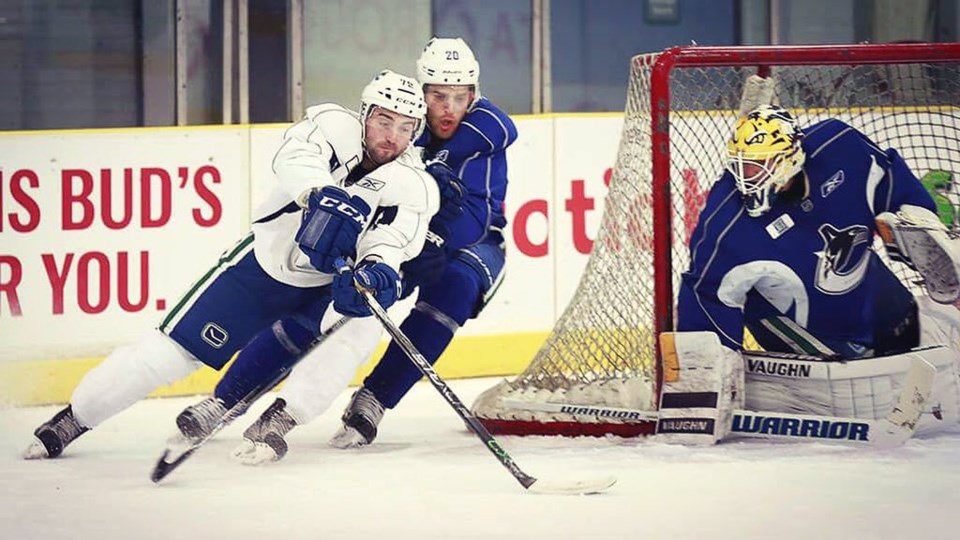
(844, 260)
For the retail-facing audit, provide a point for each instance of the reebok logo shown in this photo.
(371, 183)
(831, 184)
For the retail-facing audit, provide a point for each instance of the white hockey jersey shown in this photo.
(322, 149)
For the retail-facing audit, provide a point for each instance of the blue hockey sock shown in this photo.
(269, 355)
(439, 313)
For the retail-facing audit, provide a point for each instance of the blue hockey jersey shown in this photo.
(809, 261)
(478, 153)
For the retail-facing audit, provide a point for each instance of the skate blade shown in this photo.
(36, 450)
(256, 454)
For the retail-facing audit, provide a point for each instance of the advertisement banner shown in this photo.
(103, 230)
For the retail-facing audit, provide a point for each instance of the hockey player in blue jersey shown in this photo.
(784, 248)
(348, 185)
(459, 269)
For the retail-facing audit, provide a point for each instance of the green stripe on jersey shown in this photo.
(226, 259)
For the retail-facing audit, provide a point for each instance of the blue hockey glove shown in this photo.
(377, 277)
(428, 267)
(451, 189)
(330, 225)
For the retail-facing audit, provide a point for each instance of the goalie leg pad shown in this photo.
(865, 388)
(702, 385)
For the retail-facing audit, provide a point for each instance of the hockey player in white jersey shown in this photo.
(459, 269)
(784, 248)
(348, 186)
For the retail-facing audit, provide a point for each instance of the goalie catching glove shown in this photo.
(377, 277)
(916, 237)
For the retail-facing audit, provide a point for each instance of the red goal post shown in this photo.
(602, 355)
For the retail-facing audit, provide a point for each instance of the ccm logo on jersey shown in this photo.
(831, 184)
(808, 428)
(343, 208)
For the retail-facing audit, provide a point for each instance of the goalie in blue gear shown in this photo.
(784, 248)
(783, 244)
(457, 272)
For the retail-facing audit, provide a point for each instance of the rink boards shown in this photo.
(102, 230)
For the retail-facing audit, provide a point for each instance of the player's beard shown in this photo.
(383, 153)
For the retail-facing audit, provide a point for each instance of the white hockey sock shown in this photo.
(128, 375)
(326, 371)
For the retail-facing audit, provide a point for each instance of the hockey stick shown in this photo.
(888, 432)
(174, 455)
(531, 484)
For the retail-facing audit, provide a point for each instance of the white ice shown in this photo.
(426, 477)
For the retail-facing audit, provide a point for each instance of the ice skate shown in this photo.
(263, 442)
(360, 421)
(54, 435)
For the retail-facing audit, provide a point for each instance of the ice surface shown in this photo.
(426, 477)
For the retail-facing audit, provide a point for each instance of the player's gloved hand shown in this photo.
(331, 222)
(377, 277)
(428, 267)
(451, 189)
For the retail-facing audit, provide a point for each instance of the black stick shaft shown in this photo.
(441, 386)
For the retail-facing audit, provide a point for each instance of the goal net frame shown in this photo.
(497, 407)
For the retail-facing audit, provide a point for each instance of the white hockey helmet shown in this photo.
(448, 61)
(397, 93)
(764, 154)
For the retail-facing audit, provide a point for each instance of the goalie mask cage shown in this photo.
(681, 107)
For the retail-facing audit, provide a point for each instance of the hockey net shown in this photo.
(681, 106)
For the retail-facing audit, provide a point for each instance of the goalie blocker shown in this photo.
(880, 401)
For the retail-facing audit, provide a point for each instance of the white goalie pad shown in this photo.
(702, 385)
(866, 388)
(915, 236)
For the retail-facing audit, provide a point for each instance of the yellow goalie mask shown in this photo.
(764, 154)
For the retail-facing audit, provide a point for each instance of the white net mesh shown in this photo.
(601, 351)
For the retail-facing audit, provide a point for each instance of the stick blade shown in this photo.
(591, 486)
(173, 456)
